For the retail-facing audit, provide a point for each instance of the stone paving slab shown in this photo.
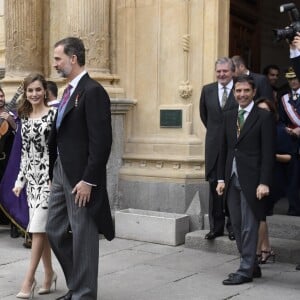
(133, 270)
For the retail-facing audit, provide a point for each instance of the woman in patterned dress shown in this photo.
(36, 117)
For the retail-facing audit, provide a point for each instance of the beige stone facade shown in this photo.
(153, 56)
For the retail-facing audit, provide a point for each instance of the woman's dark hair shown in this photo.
(270, 104)
(24, 106)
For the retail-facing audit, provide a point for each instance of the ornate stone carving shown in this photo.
(185, 89)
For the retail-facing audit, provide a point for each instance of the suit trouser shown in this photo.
(216, 207)
(245, 227)
(77, 252)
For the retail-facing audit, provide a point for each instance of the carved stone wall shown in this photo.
(152, 55)
(163, 64)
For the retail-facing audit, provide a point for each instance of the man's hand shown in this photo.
(262, 191)
(295, 132)
(82, 193)
(220, 188)
(4, 115)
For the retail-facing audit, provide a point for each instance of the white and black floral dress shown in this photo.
(34, 168)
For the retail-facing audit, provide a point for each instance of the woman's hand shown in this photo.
(17, 191)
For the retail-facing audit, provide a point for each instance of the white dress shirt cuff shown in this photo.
(91, 184)
(294, 53)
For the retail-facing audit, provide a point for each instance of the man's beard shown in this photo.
(62, 74)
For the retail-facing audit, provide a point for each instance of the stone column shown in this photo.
(24, 37)
(92, 26)
(90, 21)
(23, 41)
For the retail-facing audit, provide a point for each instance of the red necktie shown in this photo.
(65, 97)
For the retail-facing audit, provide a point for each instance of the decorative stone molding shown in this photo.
(186, 89)
(163, 168)
(121, 106)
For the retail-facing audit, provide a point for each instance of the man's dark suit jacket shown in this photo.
(83, 141)
(296, 65)
(211, 115)
(254, 153)
(262, 85)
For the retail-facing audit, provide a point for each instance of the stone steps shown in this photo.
(285, 227)
(287, 249)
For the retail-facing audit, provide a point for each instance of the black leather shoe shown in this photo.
(235, 279)
(298, 267)
(67, 296)
(257, 272)
(231, 236)
(212, 235)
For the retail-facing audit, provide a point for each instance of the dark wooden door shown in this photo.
(244, 32)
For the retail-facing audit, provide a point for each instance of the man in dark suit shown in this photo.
(213, 104)
(79, 147)
(288, 110)
(263, 86)
(245, 168)
(295, 58)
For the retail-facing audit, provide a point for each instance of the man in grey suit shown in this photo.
(262, 84)
(215, 99)
(79, 147)
(245, 168)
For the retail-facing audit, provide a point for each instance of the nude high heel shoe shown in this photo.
(29, 295)
(44, 291)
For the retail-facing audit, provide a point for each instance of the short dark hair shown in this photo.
(73, 46)
(244, 78)
(52, 87)
(267, 69)
(238, 60)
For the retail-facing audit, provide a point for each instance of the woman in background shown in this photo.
(283, 156)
